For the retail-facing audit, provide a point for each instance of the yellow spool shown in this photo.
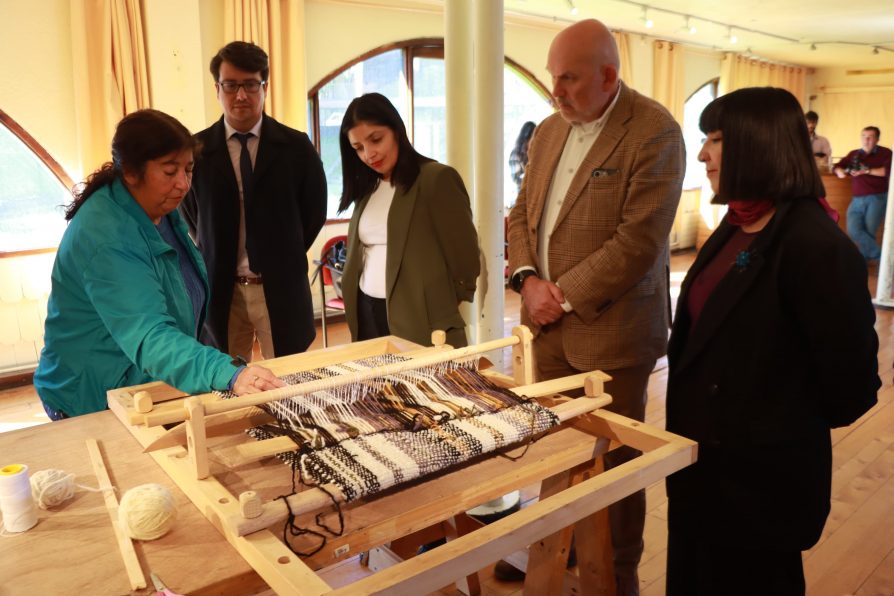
(11, 469)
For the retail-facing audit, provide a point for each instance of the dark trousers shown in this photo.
(628, 390)
(372, 317)
(697, 566)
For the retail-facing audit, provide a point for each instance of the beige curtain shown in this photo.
(667, 77)
(623, 41)
(737, 72)
(278, 27)
(111, 80)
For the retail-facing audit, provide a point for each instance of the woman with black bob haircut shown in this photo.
(412, 246)
(772, 346)
(129, 288)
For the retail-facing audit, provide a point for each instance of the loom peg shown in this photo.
(142, 402)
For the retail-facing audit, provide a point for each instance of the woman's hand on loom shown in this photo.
(254, 379)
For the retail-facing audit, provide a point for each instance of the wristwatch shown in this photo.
(517, 281)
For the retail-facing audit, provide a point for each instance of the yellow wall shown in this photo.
(37, 88)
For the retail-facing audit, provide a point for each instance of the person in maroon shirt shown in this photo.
(772, 345)
(869, 168)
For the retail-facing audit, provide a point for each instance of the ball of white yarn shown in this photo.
(52, 487)
(147, 511)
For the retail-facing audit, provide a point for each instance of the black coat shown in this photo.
(286, 212)
(784, 350)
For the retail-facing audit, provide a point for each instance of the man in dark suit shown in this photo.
(588, 240)
(257, 203)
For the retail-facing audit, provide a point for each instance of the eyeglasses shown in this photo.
(249, 86)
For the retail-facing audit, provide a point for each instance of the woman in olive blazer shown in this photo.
(423, 259)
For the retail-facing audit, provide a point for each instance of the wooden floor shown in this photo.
(856, 552)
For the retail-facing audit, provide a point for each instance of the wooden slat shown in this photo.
(125, 546)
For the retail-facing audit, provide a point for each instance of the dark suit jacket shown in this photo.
(431, 262)
(784, 350)
(609, 247)
(285, 214)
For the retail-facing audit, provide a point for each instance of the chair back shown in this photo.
(333, 257)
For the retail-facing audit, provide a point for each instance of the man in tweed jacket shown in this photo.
(588, 240)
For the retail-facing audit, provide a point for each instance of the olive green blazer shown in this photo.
(432, 260)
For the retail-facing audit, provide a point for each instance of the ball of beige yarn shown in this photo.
(147, 511)
(51, 488)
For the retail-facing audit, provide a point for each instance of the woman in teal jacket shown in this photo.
(129, 288)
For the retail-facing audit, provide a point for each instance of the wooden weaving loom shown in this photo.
(234, 480)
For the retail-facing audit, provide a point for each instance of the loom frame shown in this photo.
(574, 491)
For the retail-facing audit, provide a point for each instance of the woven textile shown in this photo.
(368, 437)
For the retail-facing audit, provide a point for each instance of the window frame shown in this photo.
(420, 47)
(715, 87)
(31, 143)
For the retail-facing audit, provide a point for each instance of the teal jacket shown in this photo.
(119, 313)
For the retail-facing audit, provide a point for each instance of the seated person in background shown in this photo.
(869, 168)
(822, 149)
(412, 244)
(129, 289)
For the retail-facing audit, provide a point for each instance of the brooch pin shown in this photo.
(743, 259)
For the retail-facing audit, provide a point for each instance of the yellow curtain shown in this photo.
(277, 26)
(623, 41)
(737, 72)
(109, 59)
(667, 77)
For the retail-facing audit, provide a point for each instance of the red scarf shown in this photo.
(742, 213)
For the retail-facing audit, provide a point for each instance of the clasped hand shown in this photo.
(543, 300)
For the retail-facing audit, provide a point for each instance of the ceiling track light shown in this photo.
(813, 47)
(649, 23)
(572, 8)
(875, 50)
(732, 36)
(690, 27)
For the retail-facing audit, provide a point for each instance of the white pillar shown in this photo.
(884, 292)
(488, 156)
(459, 94)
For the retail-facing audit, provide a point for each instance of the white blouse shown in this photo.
(372, 229)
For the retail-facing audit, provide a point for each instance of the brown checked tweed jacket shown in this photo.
(609, 248)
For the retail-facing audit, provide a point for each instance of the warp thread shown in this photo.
(16, 503)
(147, 511)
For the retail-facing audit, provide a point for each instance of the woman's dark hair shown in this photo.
(358, 179)
(767, 153)
(244, 56)
(521, 143)
(140, 137)
(519, 152)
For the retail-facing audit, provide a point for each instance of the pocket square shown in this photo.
(602, 172)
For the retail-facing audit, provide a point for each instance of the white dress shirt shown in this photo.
(580, 140)
(235, 149)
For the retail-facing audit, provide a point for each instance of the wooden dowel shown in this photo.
(313, 499)
(125, 546)
(256, 399)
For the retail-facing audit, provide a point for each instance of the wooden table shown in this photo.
(73, 548)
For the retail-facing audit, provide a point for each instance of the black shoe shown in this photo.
(431, 545)
(507, 572)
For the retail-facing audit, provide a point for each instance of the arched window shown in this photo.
(693, 136)
(411, 75)
(33, 189)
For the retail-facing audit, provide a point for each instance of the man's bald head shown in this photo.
(583, 61)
